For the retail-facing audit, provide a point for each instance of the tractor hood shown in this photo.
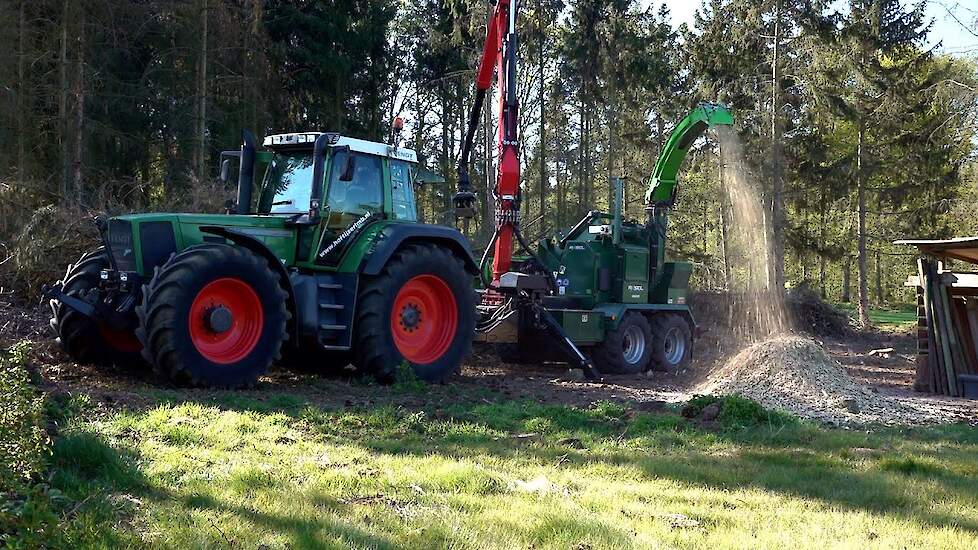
(142, 242)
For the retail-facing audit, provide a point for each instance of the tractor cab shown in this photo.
(362, 178)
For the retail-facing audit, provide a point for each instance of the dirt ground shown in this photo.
(484, 374)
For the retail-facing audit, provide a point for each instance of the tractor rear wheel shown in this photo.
(627, 349)
(84, 339)
(419, 310)
(213, 315)
(672, 342)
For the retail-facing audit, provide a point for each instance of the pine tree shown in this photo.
(864, 83)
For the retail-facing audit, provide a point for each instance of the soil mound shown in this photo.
(796, 375)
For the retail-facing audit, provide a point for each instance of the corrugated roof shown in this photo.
(961, 248)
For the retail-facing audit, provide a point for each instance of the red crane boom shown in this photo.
(499, 53)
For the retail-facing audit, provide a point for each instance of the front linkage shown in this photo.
(98, 301)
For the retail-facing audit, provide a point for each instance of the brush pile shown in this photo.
(796, 375)
(809, 312)
(806, 311)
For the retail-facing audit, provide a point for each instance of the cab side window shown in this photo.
(402, 191)
(364, 193)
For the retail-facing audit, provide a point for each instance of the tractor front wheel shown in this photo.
(418, 310)
(627, 349)
(213, 315)
(84, 339)
(672, 342)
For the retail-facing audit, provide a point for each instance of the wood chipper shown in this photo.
(604, 286)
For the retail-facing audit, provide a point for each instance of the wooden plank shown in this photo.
(960, 310)
(946, 371)
(933, 364)
(955, 363)
(971, 312)
(959, 280)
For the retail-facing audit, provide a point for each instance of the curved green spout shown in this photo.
(662, 183)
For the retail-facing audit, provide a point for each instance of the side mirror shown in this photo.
(351, 164)
(225, 170)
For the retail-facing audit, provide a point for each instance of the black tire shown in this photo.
(82, 338)
(375, 350)
(169, 318)
(672, 342)
(627, 349)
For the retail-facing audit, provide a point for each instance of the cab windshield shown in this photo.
(287, 185)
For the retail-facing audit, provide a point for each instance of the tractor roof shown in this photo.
(301, 140)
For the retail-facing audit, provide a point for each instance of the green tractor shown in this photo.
(328, 262)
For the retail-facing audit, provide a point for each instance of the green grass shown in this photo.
(228, 470)
(895, 316)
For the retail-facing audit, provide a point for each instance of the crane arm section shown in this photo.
(662, 184)
(499, 57)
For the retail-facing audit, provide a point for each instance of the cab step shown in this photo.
(336, 297)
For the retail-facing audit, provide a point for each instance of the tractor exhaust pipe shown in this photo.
(246, 173)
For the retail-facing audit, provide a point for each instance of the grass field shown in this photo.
(896, 316)
(232, 470)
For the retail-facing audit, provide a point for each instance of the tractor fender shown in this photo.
(394, 236)
(257, 247)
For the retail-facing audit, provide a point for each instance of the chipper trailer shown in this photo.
(329, 265)
(604, 286)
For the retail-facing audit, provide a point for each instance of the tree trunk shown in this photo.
(79, 108)
(880, 294)
(846, 279)
(777, 183)
(660, 129)
(861, 206)
(821, 256)
(201, 153)
(581, 197)
(21, 92)
(543, 119)
(561, 165)
(63, 105)
(612, 152)
(724, 220)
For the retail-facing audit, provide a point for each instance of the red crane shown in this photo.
(499, 53)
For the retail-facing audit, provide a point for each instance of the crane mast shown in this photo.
(499, 57)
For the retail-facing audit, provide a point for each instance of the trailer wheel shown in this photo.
(627, 349)
(213, 315)
(419, 310)
(672, 342)
(86, 340)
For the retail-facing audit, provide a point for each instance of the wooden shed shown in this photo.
(947, 315)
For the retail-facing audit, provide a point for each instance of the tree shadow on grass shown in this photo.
(301, 532)
(798, 460)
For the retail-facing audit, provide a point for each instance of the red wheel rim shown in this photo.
(119, 340)
(247, 319)
(424, 319)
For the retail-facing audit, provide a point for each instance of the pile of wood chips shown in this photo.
(796, 375)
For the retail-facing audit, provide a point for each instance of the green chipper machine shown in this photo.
(606, 280)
